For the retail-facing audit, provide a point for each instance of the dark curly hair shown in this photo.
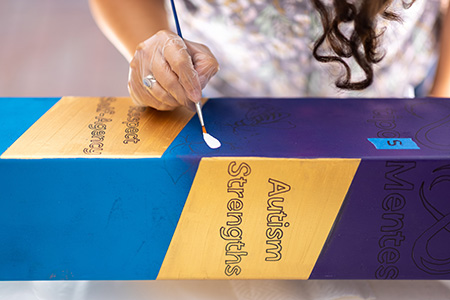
(362, 44)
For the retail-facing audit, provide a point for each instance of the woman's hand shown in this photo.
(178, 69)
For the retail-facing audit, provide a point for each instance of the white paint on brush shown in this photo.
(211, 141)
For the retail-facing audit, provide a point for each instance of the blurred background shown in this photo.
(53, 48)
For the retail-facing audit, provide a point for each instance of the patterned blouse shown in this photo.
(264, 48)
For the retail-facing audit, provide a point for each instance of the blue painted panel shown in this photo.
(95, 219)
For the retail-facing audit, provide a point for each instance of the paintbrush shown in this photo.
(211, 141)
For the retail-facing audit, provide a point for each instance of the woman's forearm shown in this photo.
(126, 23)
(441, 85)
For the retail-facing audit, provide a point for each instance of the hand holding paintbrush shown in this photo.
(211, 141)
(167, 72)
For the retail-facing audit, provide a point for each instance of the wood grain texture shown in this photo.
(99, 127)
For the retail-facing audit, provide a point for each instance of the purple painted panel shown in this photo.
(311, 128)
(395, 223)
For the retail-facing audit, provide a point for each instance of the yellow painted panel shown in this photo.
(257, 218)
(99, 127)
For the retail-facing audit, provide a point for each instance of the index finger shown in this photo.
(176, 54)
